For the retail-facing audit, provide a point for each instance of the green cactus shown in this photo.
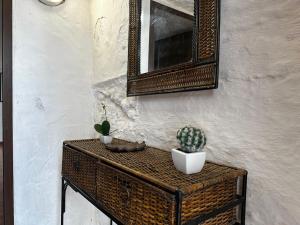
(103, 128)
(191, 139)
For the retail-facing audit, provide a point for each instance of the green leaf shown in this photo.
(105, 128)
(98, 128)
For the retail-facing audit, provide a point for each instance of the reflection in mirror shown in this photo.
(166, 33)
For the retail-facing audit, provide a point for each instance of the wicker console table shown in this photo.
(144, 187)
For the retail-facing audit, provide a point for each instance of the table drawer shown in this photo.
(80, 169)
(131, 200)
(209, 199)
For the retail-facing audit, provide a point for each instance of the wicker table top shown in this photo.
(156, 166)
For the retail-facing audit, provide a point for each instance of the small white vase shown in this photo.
(188, 163)
(106, 139)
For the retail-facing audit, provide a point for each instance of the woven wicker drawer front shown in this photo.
(209, 199)
(80, 169)
(226, 218)
(133, 201)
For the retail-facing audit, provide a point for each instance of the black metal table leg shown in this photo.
(64, 186)
(178, 197)
(244, 194)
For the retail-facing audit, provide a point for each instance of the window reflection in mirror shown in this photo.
(166, 33)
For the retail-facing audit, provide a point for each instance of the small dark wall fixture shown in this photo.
(198, 73)
(52, 2)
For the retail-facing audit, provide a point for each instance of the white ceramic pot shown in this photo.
(106, 139)
(188, 163)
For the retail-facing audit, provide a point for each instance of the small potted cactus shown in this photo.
(104, 129)
(189, 158)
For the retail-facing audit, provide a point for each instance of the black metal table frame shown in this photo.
(239, 201)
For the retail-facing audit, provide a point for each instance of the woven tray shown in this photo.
(128, 147)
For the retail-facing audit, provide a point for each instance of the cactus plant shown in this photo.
(191, 139)
(103, 128)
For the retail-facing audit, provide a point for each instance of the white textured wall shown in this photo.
(110, 30)
(52, 102)
(252, 120)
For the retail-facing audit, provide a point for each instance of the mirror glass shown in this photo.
(166, 33)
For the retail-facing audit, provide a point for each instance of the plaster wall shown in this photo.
(251, 121)
(110, 30)
(52, 102)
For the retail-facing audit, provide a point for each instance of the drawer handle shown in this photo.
(127, 190)
(127, 196)
(76, 166)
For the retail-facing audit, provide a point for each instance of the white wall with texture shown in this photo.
(252, 120)
(52, 102)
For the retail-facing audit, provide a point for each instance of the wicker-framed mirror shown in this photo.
(197, 68)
